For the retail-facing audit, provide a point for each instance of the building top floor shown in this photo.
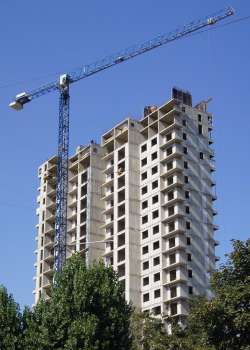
(156, 119)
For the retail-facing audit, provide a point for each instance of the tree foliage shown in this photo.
(10, 322)
(224, 321)
(87, 310)
(148, 333)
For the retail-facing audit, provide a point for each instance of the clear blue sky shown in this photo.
(41, 38)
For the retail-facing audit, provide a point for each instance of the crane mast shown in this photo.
(62, 176)
(64, 101)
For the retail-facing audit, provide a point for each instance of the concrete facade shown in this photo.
(147, 194)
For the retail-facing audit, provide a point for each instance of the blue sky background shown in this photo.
(40, 39)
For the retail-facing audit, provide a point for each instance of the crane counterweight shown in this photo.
(20, 100)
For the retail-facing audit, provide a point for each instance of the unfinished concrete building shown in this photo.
(84, 225)
(147, 193)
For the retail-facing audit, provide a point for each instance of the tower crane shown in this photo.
(62, 86)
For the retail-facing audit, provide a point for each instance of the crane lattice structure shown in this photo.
(64, 98)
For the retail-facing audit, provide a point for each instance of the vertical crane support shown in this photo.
(63, 87)
(62, 175)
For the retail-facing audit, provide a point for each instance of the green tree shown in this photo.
(10, 322)
(224, 321)
(148, 332)
(87, 311)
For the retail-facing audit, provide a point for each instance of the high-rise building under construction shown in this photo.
(142, 201)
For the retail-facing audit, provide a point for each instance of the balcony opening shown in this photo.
(170, 166)
(144, 176)
(145, 250)
(144, 190)
(84, 190)
(121, 168)
(171, 226)
(121, 225)
(154, 184)
(156, 245)
(121, 181)
(84, 177)
(121, 255)
(169, 151)
(109, 246)
(82, 244)
(154, 142)
(121, 270)
(156, 310)
(145, 297)
(173, 292)
(171, 242)
(84, 203)
(154, 170)
(143, 148)
(157, 277)
(172, 275)
(155, 199)
(83, 217)
(170, 181)
(145, 265)
(173, 309)
(83, 231)
(169, 122)
(171, 211)
(121, 240)
(156, 261)
(144, 161)
(155, 214)
(172, 259)
(154, 156)
(121, 196)
(109, 217)
(156, 229)
(109, 231)
(121, 210)
(157, 293)
(121, 154)
(169, 137)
